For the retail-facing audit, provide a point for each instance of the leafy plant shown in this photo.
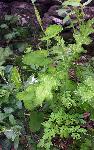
(54, 88)
(57, 105)
(10, 108)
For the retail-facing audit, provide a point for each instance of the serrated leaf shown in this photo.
(52, 31)
(34, 95)
(44, 89)
(38, 58)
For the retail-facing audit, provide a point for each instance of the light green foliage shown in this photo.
(55, 89)
(44, 89)
(15, 77)
(52, 31)
(34, 95)
(56, 102)
(37, 58)
(74, 3)
(61, 124)
(67, 101)
(86, 90)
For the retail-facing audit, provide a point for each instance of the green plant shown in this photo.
(56, 103)
(53, 89)
(10, 124)
(74, 11)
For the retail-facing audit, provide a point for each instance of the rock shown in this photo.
(89, 12)
(4, 9)
(26, 14)
(9, 1)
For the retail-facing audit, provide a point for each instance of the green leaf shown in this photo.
(4, 96)
(36, 118)
(15, 77)
(61, 12)
(11, 18)
(11, 35)
(38, 58)
(2, 116)
(12, 119)
(72, 3)
(44, 89)
(67, 18)
(34, 95)
(8, 110)
(28, 97)
(4, 53)
(4, 26)
(52, 31)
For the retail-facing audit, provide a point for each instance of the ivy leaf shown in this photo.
(8, 17)
(4, 26)
(11, 18)
(13, 132)
(10, 134)
(36, 118)
(8, 110)
(38, 58)
(2, 116)
(12, 120)
(4, 53)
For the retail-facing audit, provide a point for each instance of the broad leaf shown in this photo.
(52, 31)
(28, 97)
(38, 58)
(36, 118)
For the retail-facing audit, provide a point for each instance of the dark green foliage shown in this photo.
(36, 118)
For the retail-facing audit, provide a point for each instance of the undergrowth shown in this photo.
(58, 105)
